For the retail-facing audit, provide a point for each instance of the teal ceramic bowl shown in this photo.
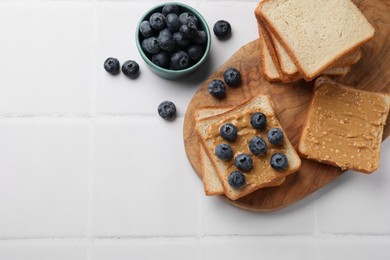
(167, 73)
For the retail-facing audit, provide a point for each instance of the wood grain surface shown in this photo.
(290, 101)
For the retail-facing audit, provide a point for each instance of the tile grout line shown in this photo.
(91, 150)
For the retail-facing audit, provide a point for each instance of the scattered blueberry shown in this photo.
(145, 29)
(157, 21)
(279, 161)
(222, 29)
(167, 110)
(275, 136)
(195, 52)
(187, 17)
(179, 60)
(180, 40)
(228, 132)
(130, 68)
(150, 45)
(258, 146)
(161, 59)
(232, 77)
(236, 179)
(166, 42)
(201, 37)
(173, 22)
(224, 152)
(243, 162)
(217, 88)
(170, 8)
(189, 30)
(111, 65)
(258, 121)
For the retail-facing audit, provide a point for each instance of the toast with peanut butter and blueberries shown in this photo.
(247, 147)
(211, 183)
(344, 126)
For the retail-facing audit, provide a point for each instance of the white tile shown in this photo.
(43, 180)
(166, 249)
(356, 202)
(42, 250)
(356, 248)
(270, 248)
(143, 183)
(47, 66)
(220, 218)
(117, 23)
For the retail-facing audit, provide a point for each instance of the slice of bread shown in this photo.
(263, 174)
(344, 126)
(316, 33)
(211, 183)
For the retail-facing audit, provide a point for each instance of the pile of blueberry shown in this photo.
(257, 145)
(232, 78)
(173, 38)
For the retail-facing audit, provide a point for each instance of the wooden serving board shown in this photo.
(372, 72)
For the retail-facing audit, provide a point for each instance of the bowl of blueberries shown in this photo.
(173, 39)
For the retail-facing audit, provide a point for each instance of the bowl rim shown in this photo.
(174, 72)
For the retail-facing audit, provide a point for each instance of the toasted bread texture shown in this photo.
(262, 175)
(316, 33)
(344, 126)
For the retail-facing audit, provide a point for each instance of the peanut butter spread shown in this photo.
(262, 172)
(345, 127)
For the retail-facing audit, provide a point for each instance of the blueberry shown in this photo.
(228, 132)
(150, 45)
(275, 136)
(222, 29)
(180, 40)
(186, 18)
(236, 179)
(189, 30)
(258, 146)
(161, 59)
(195, 52)
(167, 110)
(145, 29)
(258, 121)
(201, 37)
(232, 77)
(165, 32)
(157, 21)
(170, 8)
(179, 60)
(243, 162)
(279, 161)
(130, 68)
(111, 65)
(217, 88)
(166, 42)
(224, 152)
(173, 22)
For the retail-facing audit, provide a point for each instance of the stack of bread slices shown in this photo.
(301, 39)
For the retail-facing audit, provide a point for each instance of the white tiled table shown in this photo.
(88, 170)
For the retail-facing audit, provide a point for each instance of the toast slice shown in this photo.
(306, 33)
(263, 174)
(344, 126)
(211, 183)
